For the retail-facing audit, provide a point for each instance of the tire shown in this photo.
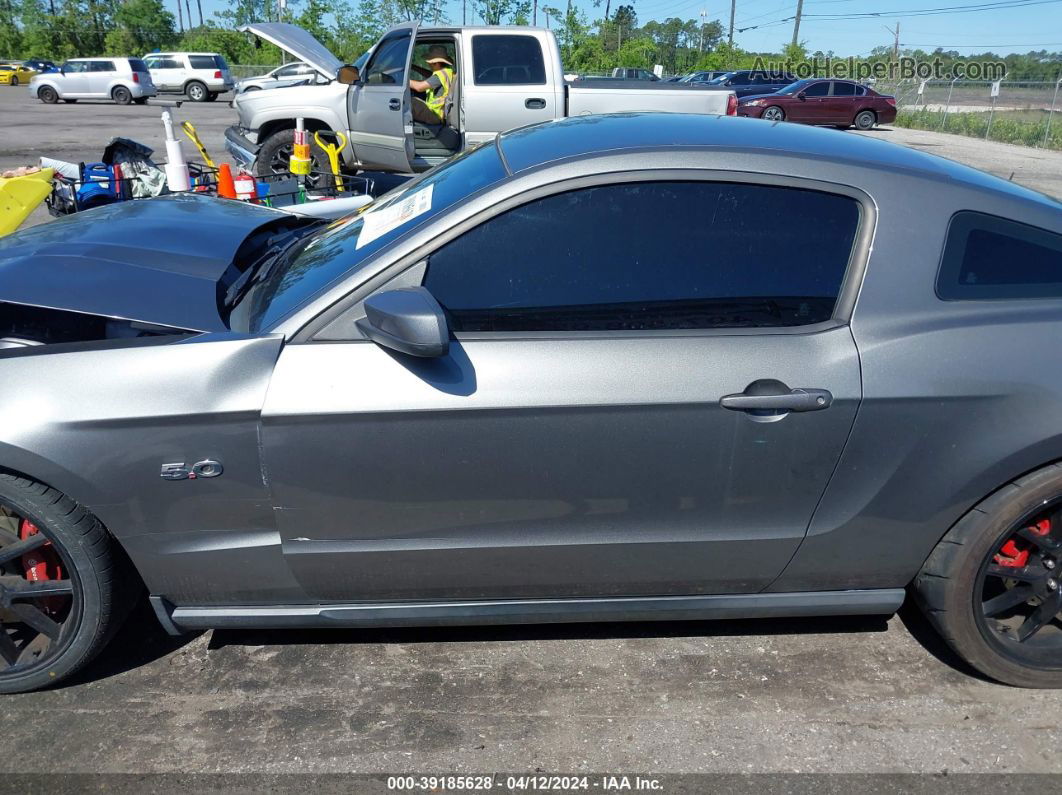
(251, 88)
(275, 153)
(212, 96)
(14, 80)
(973, 564)
(196, 91)
(773, 113)
(140, 101)
(122, 95)
(47, 95)
(865, 120)
(70, 101)
(90, 565)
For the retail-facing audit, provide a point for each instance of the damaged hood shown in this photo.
(155, 261)
(299, 43)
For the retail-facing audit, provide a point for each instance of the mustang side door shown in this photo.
(647, 412)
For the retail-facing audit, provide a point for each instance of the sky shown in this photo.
(1035, 26)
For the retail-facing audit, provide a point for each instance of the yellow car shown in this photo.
(14, 74)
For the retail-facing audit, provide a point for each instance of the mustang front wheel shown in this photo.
(993, 586)
(57, 585)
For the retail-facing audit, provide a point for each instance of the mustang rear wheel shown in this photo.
(58, 585)
(992, 586)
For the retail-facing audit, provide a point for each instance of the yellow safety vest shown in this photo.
(437, 101)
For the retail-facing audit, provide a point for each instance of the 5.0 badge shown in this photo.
(208, 468)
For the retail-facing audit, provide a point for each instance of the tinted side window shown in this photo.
(701, 256)
(843, 89)
(507, 60)
(988, 258)
(101, 66)
(202, 62)
(388, 64)
(817, 90)
(740, 80)
(136, 65)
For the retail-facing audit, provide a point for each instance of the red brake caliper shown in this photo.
(41, 563)
(1011, 555)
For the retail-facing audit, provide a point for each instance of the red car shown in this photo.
(840, 103)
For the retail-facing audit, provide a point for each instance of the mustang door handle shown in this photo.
(534, 103)
(794, 400)
(394, 104)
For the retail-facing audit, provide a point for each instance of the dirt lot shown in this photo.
(824, 695)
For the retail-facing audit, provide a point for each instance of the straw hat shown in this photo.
(437, 53)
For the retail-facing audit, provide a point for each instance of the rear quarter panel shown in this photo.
(959, 397)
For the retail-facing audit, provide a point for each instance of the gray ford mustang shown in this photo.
(612, 368)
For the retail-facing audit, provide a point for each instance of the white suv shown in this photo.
(123, 80)
(200, 76)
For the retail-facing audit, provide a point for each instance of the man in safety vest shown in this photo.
(432, 109)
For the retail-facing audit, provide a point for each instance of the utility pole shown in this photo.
(796, 24)
(704, 14)
(733, 10)
(534, 17)
(895, 41)
(464, 12)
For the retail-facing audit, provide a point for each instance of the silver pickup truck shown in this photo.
(507, 77)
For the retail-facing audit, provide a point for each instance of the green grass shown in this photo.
(1012, 127)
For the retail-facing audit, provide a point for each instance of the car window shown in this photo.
(291, 69)
(203, 62)
(817, 90)
(388, 64)
(859, 90)
(136, 65)
(674, 272)
(507, 60)
(75, 66)
(740, 80)
(987, 257)
(101, 66)
(842, 89)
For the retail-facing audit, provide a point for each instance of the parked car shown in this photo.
(468, 404)
(290, 74)
(698, 78)
(506, 77)
(632, 73)
(200, 76)
(123, 80)
(841, 103)
(14, 74)
(40, 65)
(747, 81)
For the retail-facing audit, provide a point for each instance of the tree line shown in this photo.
(59, 29)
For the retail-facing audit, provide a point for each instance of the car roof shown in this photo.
(536, 145)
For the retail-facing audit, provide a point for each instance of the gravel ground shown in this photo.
(826, 695)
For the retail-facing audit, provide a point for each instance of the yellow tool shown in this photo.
(333, 150)
(19, 196)
(190, 131)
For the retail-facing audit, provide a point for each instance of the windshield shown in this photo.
(345, 245)
(721, 79)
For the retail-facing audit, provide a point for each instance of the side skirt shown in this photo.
(534, 611)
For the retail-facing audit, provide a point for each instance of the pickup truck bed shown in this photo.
(586, 97)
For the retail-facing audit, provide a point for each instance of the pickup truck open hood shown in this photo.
(299, 43)
(153, 261)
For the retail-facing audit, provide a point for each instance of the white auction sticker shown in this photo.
(382, 220)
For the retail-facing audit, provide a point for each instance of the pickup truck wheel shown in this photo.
(196, 91)
(991, 587)
(275, 155)
(60, 585)
(47, 95)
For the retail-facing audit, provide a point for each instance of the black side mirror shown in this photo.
(407, 320)
(802, 96)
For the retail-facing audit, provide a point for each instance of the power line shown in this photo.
(966, 9)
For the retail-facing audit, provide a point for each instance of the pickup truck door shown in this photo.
(506, 82)
(381, 113)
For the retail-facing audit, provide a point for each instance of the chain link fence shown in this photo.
(1021, 112)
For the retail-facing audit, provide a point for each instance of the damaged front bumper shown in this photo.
(237, 143)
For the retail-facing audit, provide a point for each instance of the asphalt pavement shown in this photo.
(815, 695)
